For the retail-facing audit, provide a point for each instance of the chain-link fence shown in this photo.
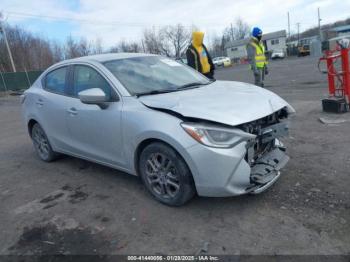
(17, 81)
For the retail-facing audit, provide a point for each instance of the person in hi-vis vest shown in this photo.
(256, 57)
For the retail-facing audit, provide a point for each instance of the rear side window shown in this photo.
(86, 77)
(55, 81)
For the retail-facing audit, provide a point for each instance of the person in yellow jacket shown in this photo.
(256, 57)
(198, 56)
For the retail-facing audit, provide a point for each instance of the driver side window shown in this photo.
(86, 77)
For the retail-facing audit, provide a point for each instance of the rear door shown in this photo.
(50, 104)
(95, 132)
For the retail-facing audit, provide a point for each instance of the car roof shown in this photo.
(101, 58)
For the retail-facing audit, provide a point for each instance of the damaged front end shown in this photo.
(233, 160)
(266, 155)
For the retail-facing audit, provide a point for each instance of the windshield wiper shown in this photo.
(186, 86)
(156, 92)
(193, 85)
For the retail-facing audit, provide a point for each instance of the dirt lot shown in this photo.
(76, 207)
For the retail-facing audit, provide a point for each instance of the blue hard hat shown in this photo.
(256, 31)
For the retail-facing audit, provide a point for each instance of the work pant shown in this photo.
(259, 77)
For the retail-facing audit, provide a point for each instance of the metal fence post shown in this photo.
(25, 70)
(3, 81)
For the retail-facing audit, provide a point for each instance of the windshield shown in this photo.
(141, 75)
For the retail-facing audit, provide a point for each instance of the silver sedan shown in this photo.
(151, 116)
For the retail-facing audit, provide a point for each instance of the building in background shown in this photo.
(341, 30)
(236, 50)
(337, 34)
(304, 46)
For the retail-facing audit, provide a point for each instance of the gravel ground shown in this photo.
(75, 207)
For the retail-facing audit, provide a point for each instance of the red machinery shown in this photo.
(338, 80)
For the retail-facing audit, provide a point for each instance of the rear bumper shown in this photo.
(277, 57)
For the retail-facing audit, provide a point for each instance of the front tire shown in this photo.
(41, 144)
(166, 175)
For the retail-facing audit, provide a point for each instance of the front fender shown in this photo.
(140, 125)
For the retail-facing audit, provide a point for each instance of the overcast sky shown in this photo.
(112, 20)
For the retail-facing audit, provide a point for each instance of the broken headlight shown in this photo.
(214, 136)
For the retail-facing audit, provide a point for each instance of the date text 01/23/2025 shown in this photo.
(173, 258)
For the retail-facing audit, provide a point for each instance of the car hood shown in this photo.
(226, 102)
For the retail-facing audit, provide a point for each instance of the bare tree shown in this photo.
(74, 48)
(57, 52)
(114, 49)
(96, 46)
(178, 36)
(217, 48)
(239, 30)
(71, 48)
(29, 51)
(84, 48)
(123, 46)
(134, 47)
(128, 47)
(154, 42)
(229, 33)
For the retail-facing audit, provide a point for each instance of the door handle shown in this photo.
(40, 102)
(72, 111)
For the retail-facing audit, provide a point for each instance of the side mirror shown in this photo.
(92, 96)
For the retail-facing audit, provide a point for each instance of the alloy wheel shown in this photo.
(41, 143)
(162, 176)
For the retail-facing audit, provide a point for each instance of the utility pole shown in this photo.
(298, 25)
(143, 46)
(319, 24)
(288, 26)
(288, 42)
(231, 31)
(2, 30)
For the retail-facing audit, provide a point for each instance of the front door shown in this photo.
(95, 131)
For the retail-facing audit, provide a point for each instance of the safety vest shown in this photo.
(260, 58)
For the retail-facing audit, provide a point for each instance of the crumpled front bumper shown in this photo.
(226, 172)
(266, 171)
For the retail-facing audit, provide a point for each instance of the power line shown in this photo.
(97, 22)
(62, 18)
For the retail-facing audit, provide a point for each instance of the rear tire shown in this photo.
(166, 175)
(41, 144)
